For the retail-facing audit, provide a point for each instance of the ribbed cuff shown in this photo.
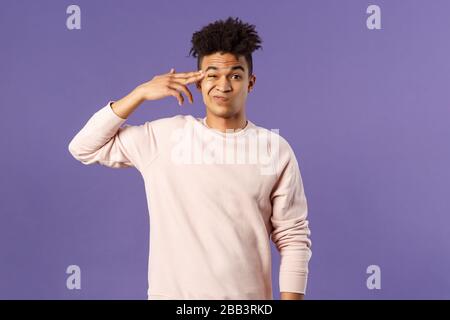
(108, 106)
(293, 282)
(105, 122)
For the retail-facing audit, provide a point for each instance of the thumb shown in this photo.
(172, 70)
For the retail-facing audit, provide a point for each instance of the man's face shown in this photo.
(226, 77)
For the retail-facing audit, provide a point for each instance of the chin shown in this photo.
(222, 112)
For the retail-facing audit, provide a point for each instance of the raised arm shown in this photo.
(104, 140)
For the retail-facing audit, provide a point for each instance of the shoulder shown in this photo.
(159, 127)
(163, 129)
(280, 150)
(175, 120)
(275, 140)
(167, 123)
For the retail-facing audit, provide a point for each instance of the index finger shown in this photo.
(191, 79)
(187, 74)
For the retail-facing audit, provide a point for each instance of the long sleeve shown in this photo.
(290, 231)
(104, 140)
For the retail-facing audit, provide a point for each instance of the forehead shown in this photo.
(223, 61)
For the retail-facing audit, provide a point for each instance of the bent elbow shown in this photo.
(78, 154)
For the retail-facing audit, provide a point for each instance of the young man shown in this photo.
(218, 188)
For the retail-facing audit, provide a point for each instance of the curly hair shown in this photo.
(230, 36)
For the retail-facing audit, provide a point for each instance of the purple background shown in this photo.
(366, 112)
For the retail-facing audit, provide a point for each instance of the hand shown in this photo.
(170, 84)
(291, 296)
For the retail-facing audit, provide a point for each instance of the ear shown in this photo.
(251, 82)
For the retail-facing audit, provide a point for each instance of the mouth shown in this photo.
(220, 99)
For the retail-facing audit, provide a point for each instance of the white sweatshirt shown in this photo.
(215, 199)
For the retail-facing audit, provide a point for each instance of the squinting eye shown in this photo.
(214, 76)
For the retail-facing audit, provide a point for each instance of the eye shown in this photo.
(211, 76)
(236, 75)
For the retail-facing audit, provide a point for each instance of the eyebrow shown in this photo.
(232, 68)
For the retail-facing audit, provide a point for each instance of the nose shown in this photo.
(223, 84)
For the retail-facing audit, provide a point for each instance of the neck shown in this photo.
(236, 122)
